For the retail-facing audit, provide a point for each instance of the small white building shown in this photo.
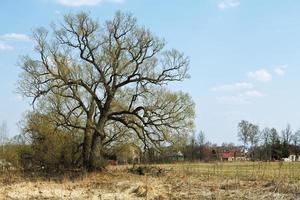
(292, 158)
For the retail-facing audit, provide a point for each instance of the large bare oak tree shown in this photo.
(107, 80)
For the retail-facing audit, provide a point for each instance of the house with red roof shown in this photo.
(233, 155)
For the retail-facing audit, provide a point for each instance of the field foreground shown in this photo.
(176, 181)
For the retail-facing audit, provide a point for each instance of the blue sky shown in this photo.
(245, 55)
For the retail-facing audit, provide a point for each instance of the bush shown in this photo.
(51, 149)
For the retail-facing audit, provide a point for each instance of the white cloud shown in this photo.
(261, 75)
(241, 98)
(5, 47)
(15, 37)
(245, 92)
(224, 4)
(280, 70)
(232, 100)
(233, 87)
(237, 93)
(77, 3)
(252, 93)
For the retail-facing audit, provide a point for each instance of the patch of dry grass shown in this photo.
(179, 181)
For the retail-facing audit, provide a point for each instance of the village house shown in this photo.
(233, 155)
(292, 158)
(177, 156)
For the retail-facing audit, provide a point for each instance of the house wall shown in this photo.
(292, 158)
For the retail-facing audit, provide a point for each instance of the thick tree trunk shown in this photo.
(86, 147)
(96, 160)
(87, 140)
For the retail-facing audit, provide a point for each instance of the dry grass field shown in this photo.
(244, 180)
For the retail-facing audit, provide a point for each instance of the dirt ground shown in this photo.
(122, 185)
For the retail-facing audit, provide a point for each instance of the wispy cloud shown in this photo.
(77, 3)
(235, 99)
(15, 37)
(253, 93)
(224, 4)
(245, 92)
(233, 87)
(237, 93)
(4, 47)
(280, 70)
(241, 98)
(261, 75)
(7, 38)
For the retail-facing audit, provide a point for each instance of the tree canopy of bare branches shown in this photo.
(107, 81)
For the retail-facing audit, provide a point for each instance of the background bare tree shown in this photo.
(254, 136)
(266, 137)
(3, 136)
(248, 133)
(243, 133)
(295, 138)
(287, 134)
(101, 79)
(201, 138)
